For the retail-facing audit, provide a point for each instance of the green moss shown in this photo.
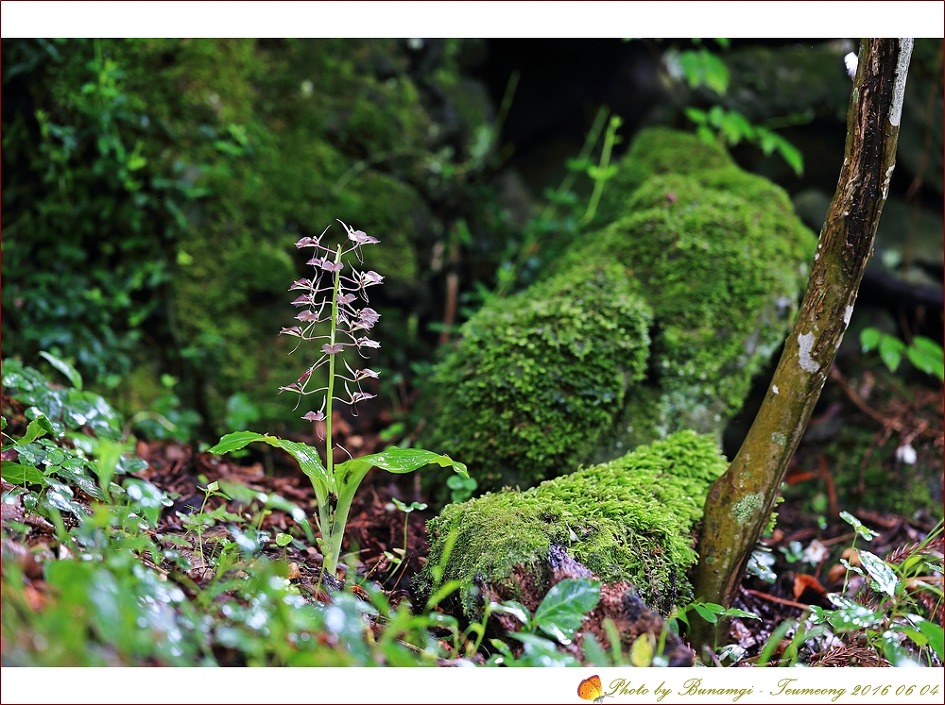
(720, 260)
(539, 378)
(339, 132)
(722, 275)
(655, 152)
(628, 519)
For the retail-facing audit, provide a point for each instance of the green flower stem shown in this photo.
(329, 512)
(342, 507)
(330, 397)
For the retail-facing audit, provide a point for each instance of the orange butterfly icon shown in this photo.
(591, 689)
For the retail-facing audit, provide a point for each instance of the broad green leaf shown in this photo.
(891, 350)
(715, 72)
(563, 609)
(37, 428)
(696, 115)
(884, 578)
(82, 481)
(849, 616)
(708, 611)
(149, 500)
(742, 614)
(791, 155)
(71, 373)
(716, 115)
(307, 457)
(18, 474)
(869, 339)
(60, 496)
(513, 608)
(934, 633)
(401, 461)
(927, 356)
(705, 134)
(539, 651)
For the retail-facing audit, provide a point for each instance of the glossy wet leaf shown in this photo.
(37, 428)
(71, 373)
(60, 497)
(539, 651)
(307, 457)
(935, 635)
(861, 530)
(401, 461)
(884, 578)
(148, 499)
(849, 615)
(563, 609)
(77, 478)
(18, 474)
(512, 608)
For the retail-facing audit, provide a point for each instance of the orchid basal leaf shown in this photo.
(307, 457)
(401, 461)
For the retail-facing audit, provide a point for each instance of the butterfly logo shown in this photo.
(591, 689)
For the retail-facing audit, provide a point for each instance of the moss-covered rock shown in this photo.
(719, 258)
(629, 519)
(540, 377)
(722, 273)
(340, 130)
(658, 151)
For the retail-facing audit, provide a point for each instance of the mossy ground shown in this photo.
(629, 519)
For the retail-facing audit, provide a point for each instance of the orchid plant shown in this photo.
(336, 319)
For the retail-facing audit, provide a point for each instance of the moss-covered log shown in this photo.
(740, 502)
(627, 520)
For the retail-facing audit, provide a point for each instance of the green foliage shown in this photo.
(159, 180)
(891, 613)
(701, 67)
(558, 616)
(925, 354)
(335, 492)
(629, 519)
(90, 223)
(732, 128)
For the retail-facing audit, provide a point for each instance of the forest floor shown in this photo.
(805, 554)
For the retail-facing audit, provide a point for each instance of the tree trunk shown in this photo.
(739, 504)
